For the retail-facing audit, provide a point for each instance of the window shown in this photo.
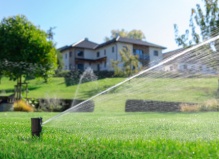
(113, 49)
(98, 54)
(80, 53)
(66, 56)
(105, 52)
(138, 52)
(81, 67)
(184, 66)
(105, 64)
(70, 66)
(156, 53)
(70, 53)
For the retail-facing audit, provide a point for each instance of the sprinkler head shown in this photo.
(36, 126)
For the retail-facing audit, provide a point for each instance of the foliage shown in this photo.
(189, 108)
(204, 21)
(61, 73)
(133, 34)
(22, 43)
(129, 62)
(60, 62)
(204, 24)
(210, 105)
(72, 77)
(22, 105)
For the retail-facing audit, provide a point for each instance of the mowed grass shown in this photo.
(56, 88)
(111, 135)
(160, 89)
(109, 132)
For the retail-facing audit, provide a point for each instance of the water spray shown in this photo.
(36, 126)
(165, 61)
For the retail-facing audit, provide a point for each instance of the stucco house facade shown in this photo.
(85, 53)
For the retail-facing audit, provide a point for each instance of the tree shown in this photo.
(25, 50)
(129, 62)
(133, 34)
(60, 63)
(203, 24)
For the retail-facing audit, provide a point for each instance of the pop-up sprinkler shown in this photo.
(36, 126)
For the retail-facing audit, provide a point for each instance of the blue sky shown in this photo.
(94, 19)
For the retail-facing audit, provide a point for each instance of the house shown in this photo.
(195, 61)
(85, 53)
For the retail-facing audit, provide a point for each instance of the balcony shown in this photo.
(141, 56)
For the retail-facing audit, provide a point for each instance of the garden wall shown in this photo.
(64, 104)
(147, 105)
(50, 104)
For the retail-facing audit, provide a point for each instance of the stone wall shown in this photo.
(66, 104)
(52, 104)
(146, 105)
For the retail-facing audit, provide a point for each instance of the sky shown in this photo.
(94, 19)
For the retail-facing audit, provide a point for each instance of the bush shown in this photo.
(22, 105)
(189, 108)
(210, 105)
(72, 77)
(62, 73)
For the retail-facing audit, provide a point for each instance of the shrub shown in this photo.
(72, 77)
(210, 105)
(62, 73)
(22, 105)
(189, 108)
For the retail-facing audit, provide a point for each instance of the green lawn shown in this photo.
(109, 132)
(162, 89)
(56, 88)
(111, 135)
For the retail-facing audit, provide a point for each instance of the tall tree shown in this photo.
(204, 21)
(129, 62)
(25, 50)
(60, 63)
(204, 24)
(133, 34)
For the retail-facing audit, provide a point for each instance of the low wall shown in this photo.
(133, 105)
(66, 104)
(51, 104)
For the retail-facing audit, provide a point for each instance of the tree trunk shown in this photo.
(18, 89)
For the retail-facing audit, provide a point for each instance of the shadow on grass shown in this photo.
(11, 90)
(93, 92)
(7, 91)
(33, 88)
